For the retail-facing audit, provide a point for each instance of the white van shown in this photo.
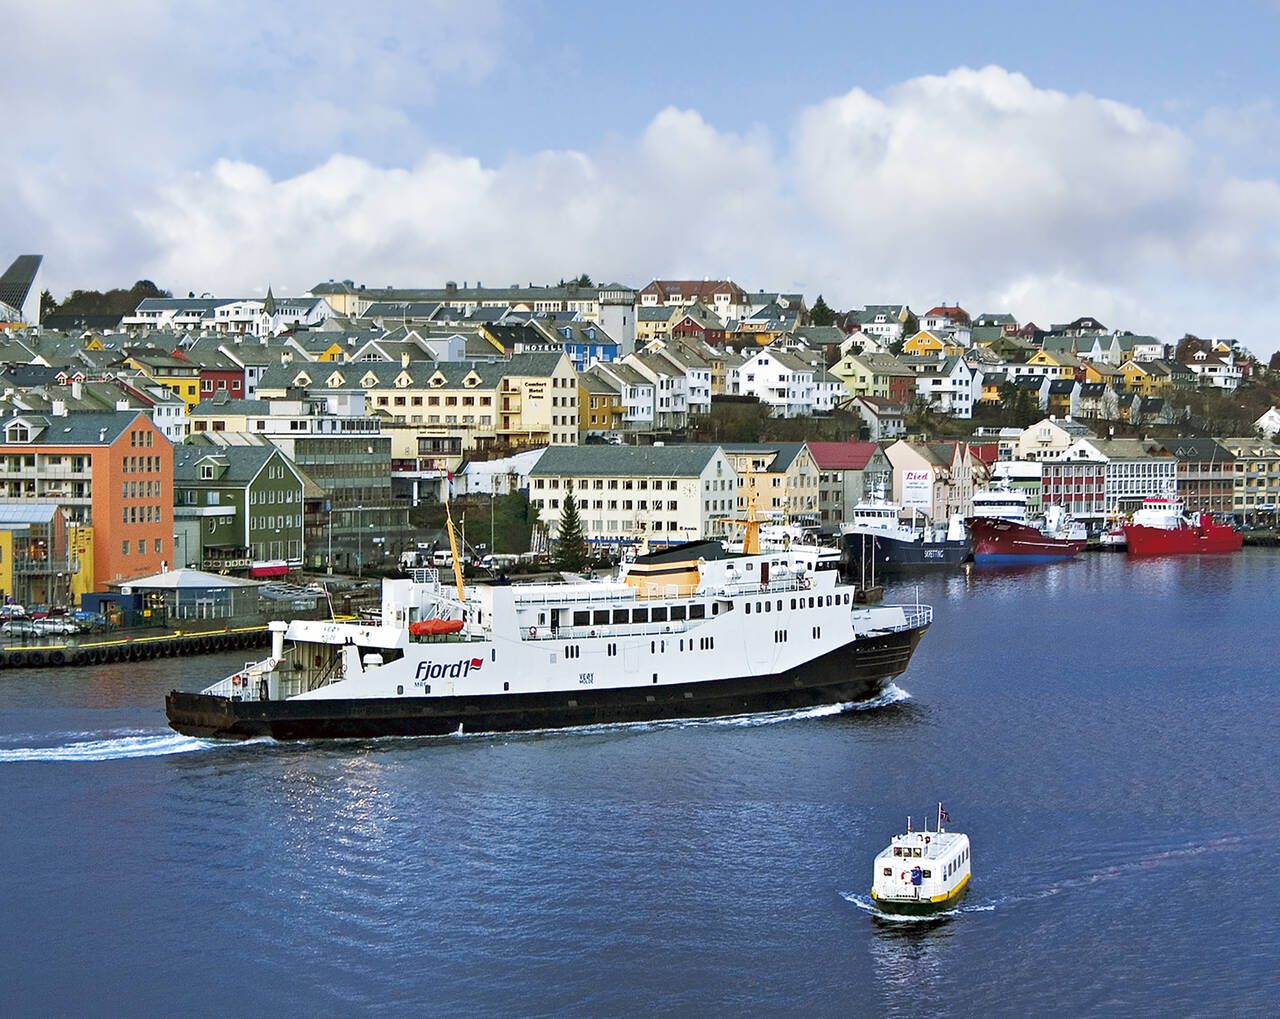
(442, 558)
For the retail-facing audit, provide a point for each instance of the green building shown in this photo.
(236, 508)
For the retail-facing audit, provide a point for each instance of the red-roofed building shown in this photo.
(848, 472)
(724, 297)
(942, 318)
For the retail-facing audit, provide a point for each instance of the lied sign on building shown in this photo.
(916, 490)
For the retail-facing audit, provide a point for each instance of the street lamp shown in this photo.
(328, 508)
(359, 541)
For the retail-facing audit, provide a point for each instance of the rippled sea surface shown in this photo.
(1104, 730)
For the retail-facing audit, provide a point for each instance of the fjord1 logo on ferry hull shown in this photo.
(443, 670)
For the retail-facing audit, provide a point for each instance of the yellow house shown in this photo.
(654, 323)
(759, 332)
(599, 404)
(1144, 378)
(991, 383)
(1064, 365)
(176, 374)
(924, 343)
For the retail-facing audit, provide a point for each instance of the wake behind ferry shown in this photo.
(683, 633)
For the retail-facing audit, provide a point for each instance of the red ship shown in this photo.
(1003, 535)
(1160, 528)
(997, 541)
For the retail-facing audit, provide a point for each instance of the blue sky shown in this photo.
(1115, 160)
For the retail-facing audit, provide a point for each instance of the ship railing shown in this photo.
(244, 685)
(914, 616)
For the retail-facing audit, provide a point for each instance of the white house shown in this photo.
(671, 394)
(637, 394)
(949, 385)
(781, 381)
(1217, 369)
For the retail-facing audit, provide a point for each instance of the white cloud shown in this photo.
(681, 197)
(978, 186)
(974, 186)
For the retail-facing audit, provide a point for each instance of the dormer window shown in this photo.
(17, 432)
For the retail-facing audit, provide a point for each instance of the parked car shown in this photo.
(12, 612)
(55, 626)
(18, 628)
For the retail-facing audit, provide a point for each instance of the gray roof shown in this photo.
(626, 374)
(1130, 449)
(242, 463)
(1199, 449)
(201, 304)
(606, 461)
(216, 407)
(89, 428)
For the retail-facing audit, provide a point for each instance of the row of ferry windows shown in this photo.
(954, 865)
(660, 646)
(676, 613)
(814, 602)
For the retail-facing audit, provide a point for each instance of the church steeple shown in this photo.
(269, 305)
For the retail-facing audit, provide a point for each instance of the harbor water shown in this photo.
(1104, 731)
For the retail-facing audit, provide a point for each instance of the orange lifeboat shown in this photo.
(435, 627)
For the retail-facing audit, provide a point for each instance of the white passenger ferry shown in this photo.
(686, 632)
(922, 872)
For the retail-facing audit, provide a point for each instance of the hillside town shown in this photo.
(275, 435)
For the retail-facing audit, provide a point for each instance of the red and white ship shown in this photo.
(1161, 528)
(1003, 534)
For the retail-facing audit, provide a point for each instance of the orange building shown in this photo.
(112, 471)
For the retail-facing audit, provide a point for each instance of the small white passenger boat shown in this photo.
(922, 872)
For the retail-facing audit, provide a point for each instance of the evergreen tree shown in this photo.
(820, 314)
(571, 548)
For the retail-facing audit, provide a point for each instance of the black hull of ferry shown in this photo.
(857, 672)
(892, 557)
